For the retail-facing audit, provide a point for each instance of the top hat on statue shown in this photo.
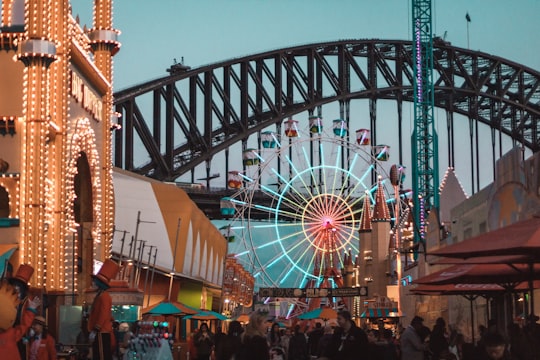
(107, 272)
(40, 320)
(23, 275)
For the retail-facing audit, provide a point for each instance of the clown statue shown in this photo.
(100, 318)
(19, 282)
(10, 334)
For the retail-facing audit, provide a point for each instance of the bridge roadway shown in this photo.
(208, 200)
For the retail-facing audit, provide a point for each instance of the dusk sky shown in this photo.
(208, 31)
(154, 33)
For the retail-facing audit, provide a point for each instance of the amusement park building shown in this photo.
(168, 232)
(513, 196)
(56, 189)
(57, 199)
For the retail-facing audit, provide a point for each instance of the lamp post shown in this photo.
(121, 258)
(152, 278)
(151, 247)
(133, 244)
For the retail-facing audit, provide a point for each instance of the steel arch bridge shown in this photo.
(173, 124)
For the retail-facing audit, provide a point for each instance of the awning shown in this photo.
(482, 274)
(520, 238)
(380, 313)
(467, 289)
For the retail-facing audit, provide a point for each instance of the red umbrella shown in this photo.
(521, 238)
(467, 289)
(499, 259)
(501, 274)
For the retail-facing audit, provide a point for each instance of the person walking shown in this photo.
(412, 346)
(438, 341)
(495, 347)
(325, 340)
(254, 344)
(285, 340)
(230, 344)
(204, 342)
(313, 339)
(298, 349)
(348, 341)
(274, 336)
(42, 345)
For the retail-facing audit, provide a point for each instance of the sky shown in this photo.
(154, 33)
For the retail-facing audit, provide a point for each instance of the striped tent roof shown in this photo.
(380, 313)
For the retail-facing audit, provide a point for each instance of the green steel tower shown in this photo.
(424, 143)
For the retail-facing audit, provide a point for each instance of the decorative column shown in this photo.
(37, 52)
(58, 229)
(104, 43)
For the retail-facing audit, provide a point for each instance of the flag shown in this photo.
(468, 17)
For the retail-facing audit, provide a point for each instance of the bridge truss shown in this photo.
(174, 124)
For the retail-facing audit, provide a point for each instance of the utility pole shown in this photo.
(121, 259)
(151, 247)
(152, 278)
(133, 245)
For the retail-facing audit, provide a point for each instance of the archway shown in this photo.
(83, 214)
(4, 203)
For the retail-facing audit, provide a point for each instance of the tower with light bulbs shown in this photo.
(56, 196)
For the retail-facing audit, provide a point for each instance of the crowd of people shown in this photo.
(256, 341)
(418, 342)
(347, 341)
(24, 335)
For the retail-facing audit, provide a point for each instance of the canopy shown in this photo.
(499, 259)
(457, 289)
(482, 274)
(466, 289)
(520, 238)
(324, 313)
(169, 308)
(207, 315)
(380, 313)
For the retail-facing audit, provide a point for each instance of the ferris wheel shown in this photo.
(299, 203)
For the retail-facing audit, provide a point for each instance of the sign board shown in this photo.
(313, 292)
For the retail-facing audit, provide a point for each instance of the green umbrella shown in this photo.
(207, 315)
(169, 308)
